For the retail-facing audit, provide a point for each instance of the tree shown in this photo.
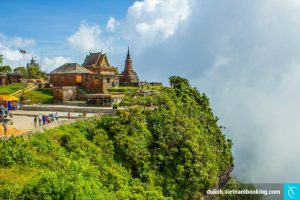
(5, 69)
(33, 71)
(21, 70)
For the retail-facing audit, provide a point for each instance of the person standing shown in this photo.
(4, 127)
(40, 120)
(35, 120)
(44, 119)
(52, 117)
(69, 115)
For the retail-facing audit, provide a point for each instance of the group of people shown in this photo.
(4, 113)
(44, 119)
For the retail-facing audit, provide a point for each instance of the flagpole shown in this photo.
(19, 58)
(41, 60)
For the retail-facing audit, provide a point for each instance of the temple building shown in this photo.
(91, 80)
(66, 81)
(95, 76)
(32, 63)
(104, 75)
(69, 74)
(128, 77)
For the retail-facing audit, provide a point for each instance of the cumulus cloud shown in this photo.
(112, 24)
(155, 20)
(88, 38)
(51, 63)
(147, 22)
(16, 42)
(21, 42)
(9, 48)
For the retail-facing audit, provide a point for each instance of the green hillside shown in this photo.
(165, 146)
(8, 89)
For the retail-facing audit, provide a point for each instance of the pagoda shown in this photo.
(128, 77)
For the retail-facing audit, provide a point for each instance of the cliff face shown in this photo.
(167, 145)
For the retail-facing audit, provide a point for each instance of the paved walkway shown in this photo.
(23, 120)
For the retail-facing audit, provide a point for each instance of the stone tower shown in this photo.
(128, 77)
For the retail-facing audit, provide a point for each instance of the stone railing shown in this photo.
(64, 108)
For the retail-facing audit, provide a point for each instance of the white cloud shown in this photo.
(21, 42)
(9, 48)
(151, 21)
(147, 22)
(16, 42)
(51, 63)
(88, 38)
(112, 23)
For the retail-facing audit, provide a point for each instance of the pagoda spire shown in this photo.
(128, 54)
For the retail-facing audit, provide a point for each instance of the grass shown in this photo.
(9, 89)
(39, 96)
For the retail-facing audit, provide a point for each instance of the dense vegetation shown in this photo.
(165, 146)
(31, 72)
(8, 89)
(42, 95)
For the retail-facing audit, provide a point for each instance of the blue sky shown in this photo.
(55, 20)
(245, 55)
(50, 23)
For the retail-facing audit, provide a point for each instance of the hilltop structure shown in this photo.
(32, 63)
(128, 77)
(104, 75)
(69, 74)
(71, 81)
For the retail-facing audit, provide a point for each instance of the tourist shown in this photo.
(56, 116)
(10, 115)
(69, 115)
(40, 120)
(47, 119)
(35, 120)
(44, 119)
(4, 127)
(52, 117)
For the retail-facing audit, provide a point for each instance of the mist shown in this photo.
(245, 55)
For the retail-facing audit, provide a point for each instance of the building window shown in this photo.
(108, 80)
